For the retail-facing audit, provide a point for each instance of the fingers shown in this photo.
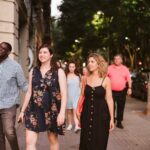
(129, 92)
(20, 120)
(60, 120)
(111, 126)
(59, 123)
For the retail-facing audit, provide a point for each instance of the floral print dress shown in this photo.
(45, 102)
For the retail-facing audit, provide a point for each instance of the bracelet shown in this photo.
(130, 88)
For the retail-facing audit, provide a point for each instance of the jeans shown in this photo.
(7, 128)
(119, 98)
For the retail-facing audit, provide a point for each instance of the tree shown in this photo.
(135, 29)
(40, 20)
(100, 25)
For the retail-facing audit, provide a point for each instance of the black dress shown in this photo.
(95, 119)
(45, 102)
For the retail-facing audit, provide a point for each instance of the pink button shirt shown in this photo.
(118, 76)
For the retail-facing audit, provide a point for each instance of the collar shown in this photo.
(117, 67)
(5, 60)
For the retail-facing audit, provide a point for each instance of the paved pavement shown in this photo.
(135, 135)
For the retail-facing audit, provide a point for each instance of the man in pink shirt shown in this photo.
(119, 76)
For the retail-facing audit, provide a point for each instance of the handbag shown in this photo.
(81, 104)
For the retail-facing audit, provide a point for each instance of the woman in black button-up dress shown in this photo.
(97, 113)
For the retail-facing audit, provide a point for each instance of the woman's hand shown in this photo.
(20, 117)
(112, 125)
(60, 119)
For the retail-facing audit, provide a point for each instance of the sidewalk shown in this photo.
(135, 135)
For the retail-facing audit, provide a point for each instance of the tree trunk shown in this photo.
(47, 18)
(131, 56)
(41, 21)
(148, 98)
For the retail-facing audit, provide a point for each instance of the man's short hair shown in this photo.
(120, 55)
(7, 46)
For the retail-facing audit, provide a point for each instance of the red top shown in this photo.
(118, 75)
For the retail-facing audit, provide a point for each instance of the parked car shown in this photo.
(140, 85)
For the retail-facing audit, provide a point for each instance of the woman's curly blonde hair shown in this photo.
(102, 64)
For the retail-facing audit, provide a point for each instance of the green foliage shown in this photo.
(104, 24)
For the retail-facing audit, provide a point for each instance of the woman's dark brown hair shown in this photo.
(76, 69)
(53, 63)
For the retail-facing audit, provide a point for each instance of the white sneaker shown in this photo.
(69, 127)
(77, 129)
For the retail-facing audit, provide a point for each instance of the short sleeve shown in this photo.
(21, 81)
(127, 74)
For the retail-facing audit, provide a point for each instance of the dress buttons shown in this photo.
(91, 115)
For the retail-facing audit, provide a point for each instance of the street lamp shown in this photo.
(126, 38)
(84, 64)
(99, 12)
(77, 41)
(138, 49)
(140, 63)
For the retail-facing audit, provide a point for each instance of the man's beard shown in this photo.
(3, 57)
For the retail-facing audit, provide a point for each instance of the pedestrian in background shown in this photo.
(45, 102)
(119, 76)
(11, 81)
(84, 71)
(59, 64)
(73, 86)
(97, 113)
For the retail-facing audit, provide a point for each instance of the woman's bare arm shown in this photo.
(63, 90)
(109, 98)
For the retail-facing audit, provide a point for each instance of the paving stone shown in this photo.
(135, 135)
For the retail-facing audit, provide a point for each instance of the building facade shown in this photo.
(15, 30)
(25, 24)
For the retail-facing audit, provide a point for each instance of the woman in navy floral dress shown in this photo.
(45, 101)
